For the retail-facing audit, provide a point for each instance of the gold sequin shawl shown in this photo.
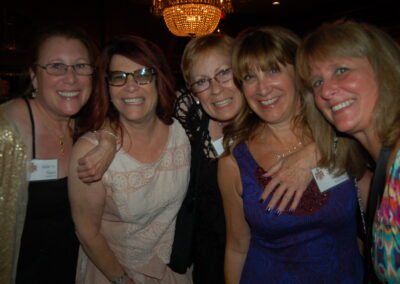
(13, 196)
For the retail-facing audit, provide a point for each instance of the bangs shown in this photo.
(329, 42)
(261, 51)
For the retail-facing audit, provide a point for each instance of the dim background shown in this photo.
(103, 19)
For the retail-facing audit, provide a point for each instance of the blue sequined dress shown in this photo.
(316, 244)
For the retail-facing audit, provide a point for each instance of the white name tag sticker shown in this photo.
(44, 169)
(326, 180)
(218, 146)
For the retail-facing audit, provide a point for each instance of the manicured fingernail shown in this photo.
(269, 210)
(291, 211)
(277, 212)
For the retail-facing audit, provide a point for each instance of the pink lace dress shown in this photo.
(140, 211)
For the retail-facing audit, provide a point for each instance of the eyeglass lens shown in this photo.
(205, 83)
(142, 77)
(61, 68)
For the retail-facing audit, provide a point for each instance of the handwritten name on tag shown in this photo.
(325, 180)
(44, 169)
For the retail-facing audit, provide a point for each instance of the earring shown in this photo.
(197, 102)
(34, 93)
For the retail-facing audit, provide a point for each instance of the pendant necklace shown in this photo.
(60, 138)
(281, 156)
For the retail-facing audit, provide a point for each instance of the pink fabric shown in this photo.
(142, 202)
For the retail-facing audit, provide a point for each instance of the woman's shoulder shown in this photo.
(15, 108)
(15, 112)
(178, 131)
(88, 138)
(186, 107)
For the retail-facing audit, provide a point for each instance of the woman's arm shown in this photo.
(87, 203)
(93, 164)
(291, 177)
(237, 229)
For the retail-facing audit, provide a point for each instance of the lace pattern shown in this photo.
(191, 116)
(142, 201)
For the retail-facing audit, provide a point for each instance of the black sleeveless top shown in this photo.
(49, 246)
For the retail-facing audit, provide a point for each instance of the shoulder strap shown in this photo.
(33, 127)
(375, 195)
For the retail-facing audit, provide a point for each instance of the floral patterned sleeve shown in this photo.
(386, 228)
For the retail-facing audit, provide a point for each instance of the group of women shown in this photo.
(289, 122)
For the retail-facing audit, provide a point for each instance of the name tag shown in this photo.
(325, 180)
(44, 169)
(218, 146)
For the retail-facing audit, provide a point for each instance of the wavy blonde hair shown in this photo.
(266, 48)
(351, 39)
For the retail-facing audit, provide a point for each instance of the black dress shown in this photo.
(207, 244)
(49, 246)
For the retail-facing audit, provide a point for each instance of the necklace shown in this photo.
(280, 156)
(60, 137)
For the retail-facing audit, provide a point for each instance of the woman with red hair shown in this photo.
(126, 221)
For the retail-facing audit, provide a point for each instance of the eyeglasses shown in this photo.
(141, 76)
(205, 83)
(59, 69)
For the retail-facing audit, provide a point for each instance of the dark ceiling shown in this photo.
(105, 18)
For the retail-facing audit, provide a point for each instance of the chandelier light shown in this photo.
(191, 17)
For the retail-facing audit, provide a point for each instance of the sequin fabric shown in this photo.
(312, 200)
(386, 228)
(13, 197)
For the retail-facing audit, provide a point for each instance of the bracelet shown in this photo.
(119, 279)
(108, 132)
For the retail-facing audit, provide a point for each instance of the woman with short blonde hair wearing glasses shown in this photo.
(126, 221)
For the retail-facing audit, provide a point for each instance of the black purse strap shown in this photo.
(375, 196)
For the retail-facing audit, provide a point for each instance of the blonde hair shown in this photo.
(351, 39)
(200, 46)
(338, 152)
(266, 48)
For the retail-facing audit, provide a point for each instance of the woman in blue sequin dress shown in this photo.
(316, 243)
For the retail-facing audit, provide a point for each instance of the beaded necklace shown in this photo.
(280, 156)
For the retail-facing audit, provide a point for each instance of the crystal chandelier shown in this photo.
(191, 17)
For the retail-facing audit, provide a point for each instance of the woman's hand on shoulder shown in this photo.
(94, 163)
(290, 178)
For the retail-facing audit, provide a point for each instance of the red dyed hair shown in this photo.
(143, 52)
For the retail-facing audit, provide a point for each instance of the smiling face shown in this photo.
(62, 95)
(222, 101)
(135, 103)
(271, 94)
(346, 91)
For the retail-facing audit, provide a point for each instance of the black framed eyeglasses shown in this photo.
(205, 83)
(141, 76)
(59, 69)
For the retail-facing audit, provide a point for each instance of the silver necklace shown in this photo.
(280, 156)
